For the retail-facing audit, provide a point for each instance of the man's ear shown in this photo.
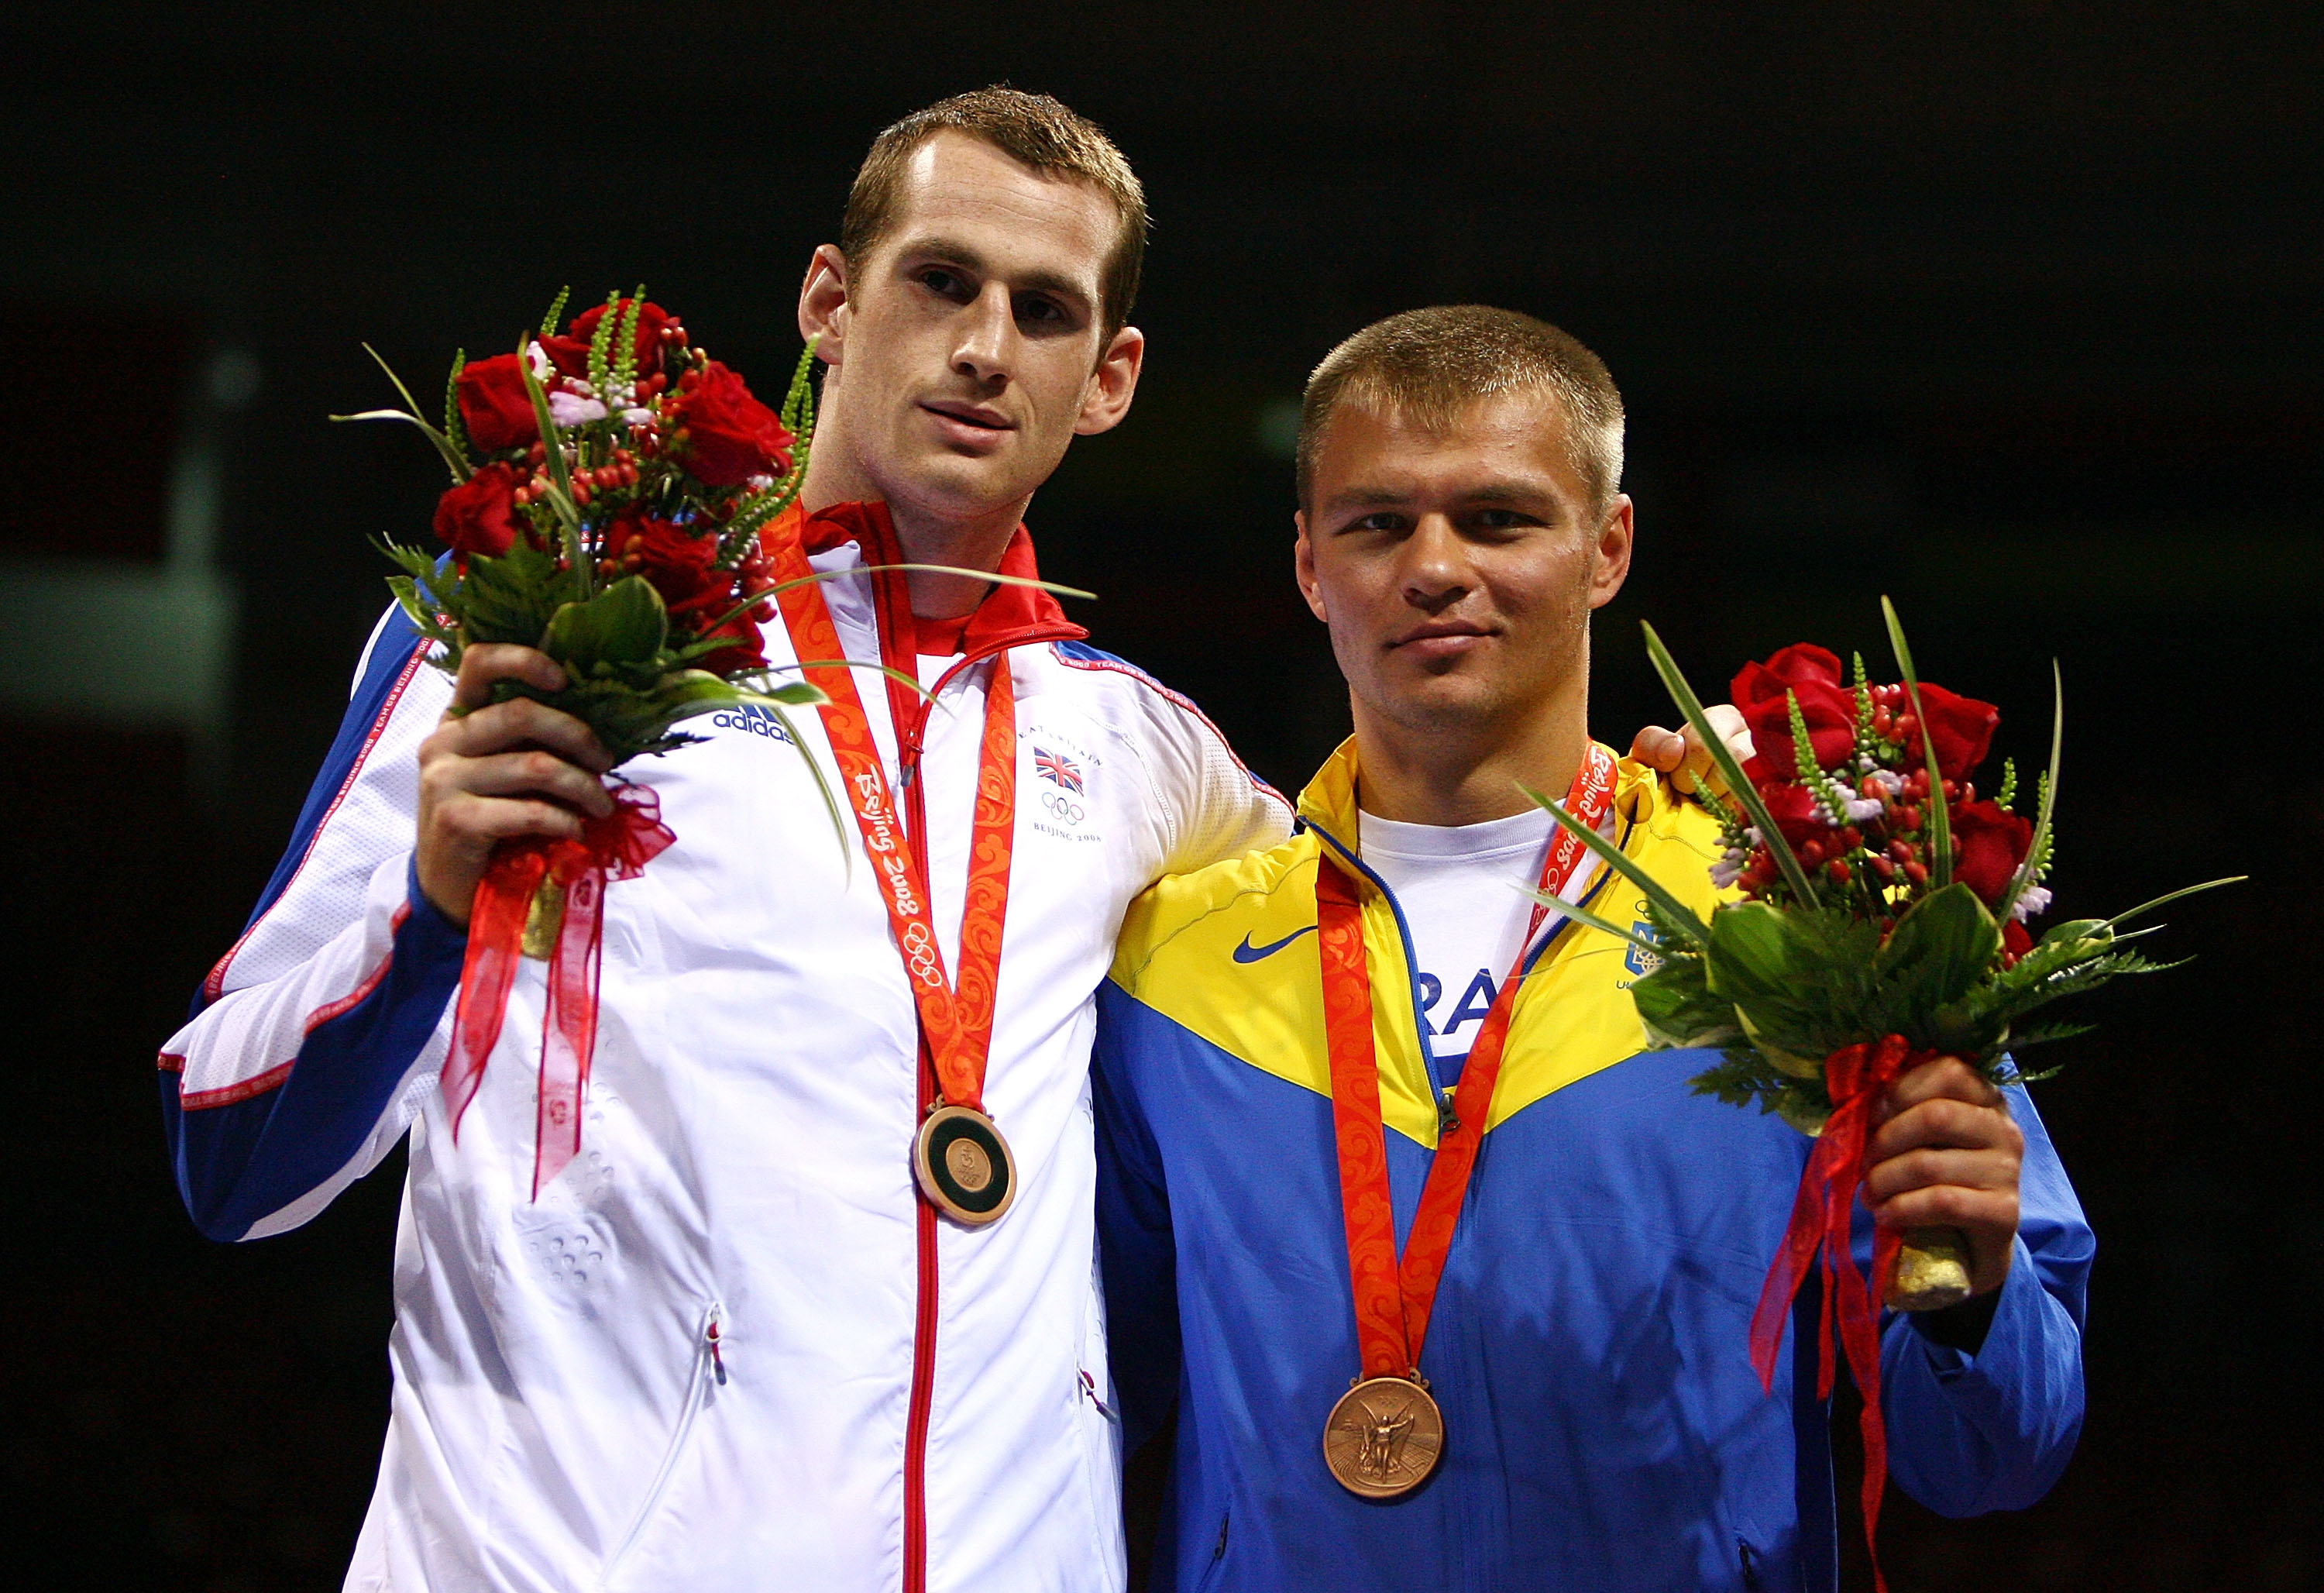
(1611, 565)
(1112, 384)
(823, 303)
(1303, 564)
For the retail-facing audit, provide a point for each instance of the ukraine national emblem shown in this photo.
(1056, 769)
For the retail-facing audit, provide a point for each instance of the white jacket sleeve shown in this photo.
(314, 1039)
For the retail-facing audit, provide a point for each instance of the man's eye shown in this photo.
(1041, 314)
(1502, 520)
(1382, 520)
(945, 284)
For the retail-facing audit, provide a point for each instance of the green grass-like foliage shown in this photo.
(1777, 987)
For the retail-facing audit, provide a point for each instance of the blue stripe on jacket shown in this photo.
(238, 1162)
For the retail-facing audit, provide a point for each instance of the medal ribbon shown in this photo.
(955, 1021)
(1856, 1076)
(1393, 1302)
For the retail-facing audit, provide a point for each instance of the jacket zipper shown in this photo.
(709, 1363)
(923, 1321)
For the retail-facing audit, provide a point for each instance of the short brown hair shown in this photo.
(1032, 129)
(1432, 364)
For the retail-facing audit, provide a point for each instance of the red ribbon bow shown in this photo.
(616, 847)
(1855, 1078)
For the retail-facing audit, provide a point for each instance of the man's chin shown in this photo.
(955, 485)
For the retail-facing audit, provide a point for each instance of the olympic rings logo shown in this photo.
(1063, 808)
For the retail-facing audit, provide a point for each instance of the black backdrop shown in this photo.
(2009, 310)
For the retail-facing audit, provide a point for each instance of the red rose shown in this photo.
(730, 436)
(1988, 844)
(1962, 727)
(570, 356)
(1795, 813)
(1762, 693)
(479, 516)
(494, 406)
(679, 564)
(746, 654)
(651, 318)
(1804, 663)
(2016, 943)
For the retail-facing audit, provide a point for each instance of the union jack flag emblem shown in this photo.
(1056, 769)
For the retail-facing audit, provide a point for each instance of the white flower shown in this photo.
(637, 419)
(759, 483)
(1860, 809)
(541, 369)
(1726, 872)
(2032, 901)
(569, 409)
(1889, 780)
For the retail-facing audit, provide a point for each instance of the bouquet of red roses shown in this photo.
(609, 487)
(1879, 922)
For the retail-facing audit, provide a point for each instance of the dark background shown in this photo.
(2009, 310)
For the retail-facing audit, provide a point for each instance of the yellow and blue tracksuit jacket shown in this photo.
(1589, 1345)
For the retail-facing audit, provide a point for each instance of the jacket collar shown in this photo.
(1010, 615)
(1328, 805)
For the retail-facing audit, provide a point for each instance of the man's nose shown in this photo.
(1435, 573)
(988, 337)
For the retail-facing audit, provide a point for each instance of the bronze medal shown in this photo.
(963, 1166)
(1385, 1437)
(1386, 1434)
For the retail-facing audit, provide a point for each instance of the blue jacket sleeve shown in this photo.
(1136, 1248)
(1993, 1430)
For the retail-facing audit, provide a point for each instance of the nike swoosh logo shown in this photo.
(1247, 952)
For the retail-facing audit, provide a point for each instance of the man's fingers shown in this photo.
(479, 823)
(1989, 1216)
(1945, 1123)
(1993, 1171)
(535, 773)
(490, 661)
(521, 722)
(1943, 1078)
(1658, 749)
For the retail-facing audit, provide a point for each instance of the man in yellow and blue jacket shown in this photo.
(1589, 1342)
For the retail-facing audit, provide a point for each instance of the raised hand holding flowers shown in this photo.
(1873, 978)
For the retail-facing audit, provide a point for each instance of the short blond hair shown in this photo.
(1031, 129)
(1433, 364)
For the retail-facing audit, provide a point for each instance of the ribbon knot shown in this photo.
(616, 846)
(1856, 1076)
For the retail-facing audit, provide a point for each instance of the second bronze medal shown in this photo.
(1384, 1437)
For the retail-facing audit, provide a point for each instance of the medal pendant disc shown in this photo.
(1384, 1437)
(963, 1166)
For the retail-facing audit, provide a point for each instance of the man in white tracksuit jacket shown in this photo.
(730, 1346)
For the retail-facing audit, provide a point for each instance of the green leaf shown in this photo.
(2209, 884)
(1678, 1010)
(1588, 920)
(1741, 789)
(623, 624)
(1682, 918)
(1941, 829)
(569, 518)
(1940, 947)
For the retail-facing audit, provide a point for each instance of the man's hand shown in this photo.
(1947, 1155)
(495, 771)
(1681, 754)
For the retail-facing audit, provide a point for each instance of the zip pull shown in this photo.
(710, 1338)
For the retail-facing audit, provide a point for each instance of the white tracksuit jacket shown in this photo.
(558, 1420)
